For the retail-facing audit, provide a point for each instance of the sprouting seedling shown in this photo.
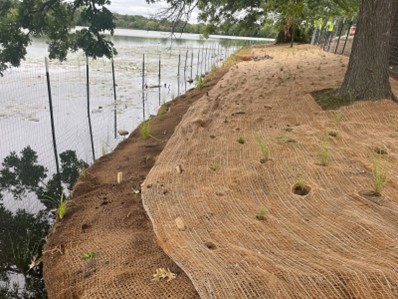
(339, 119)
(261, 214)
(215, 166)
(324, 153)
(62, 208)
(145, 130)
(379, 175)
(103, 149)
(300, 182)
(162, 111)
(199, 82)
(301, 188)
(88, 255)
(60, 204)
(263, 147)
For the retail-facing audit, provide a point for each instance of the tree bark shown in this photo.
(367, 76)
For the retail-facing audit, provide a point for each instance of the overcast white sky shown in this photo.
(138, 7)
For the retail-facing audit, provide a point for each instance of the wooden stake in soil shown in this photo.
(119, 177)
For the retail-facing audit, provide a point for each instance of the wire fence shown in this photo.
(58, 118)
(337, 36)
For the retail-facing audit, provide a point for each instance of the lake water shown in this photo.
(24, 105)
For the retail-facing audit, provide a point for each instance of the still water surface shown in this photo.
(24, 105)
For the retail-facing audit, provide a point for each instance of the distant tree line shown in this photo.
(163, 24)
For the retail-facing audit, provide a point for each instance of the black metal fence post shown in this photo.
(201, 63)
(143, 86)
(185, 70)
(340, 31)
(191, 64)
(159, 77)
(114, 98)
(347, 36)
(197, 66)
(88, 108)
(178, 74)
(206, 64)
(50, 101)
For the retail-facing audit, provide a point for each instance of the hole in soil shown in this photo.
(380, 151)
(211, 245)
(372, 196)
(300, 190)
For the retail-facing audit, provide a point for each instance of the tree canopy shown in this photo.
(22, 20)
(257, 14)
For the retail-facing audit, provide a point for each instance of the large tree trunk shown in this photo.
(367, 76)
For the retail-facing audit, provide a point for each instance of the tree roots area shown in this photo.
(253, 186)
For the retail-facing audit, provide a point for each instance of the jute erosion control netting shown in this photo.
(339, 241)
(105, 246)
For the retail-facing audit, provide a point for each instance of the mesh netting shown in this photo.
(339, 241)
(105, 246)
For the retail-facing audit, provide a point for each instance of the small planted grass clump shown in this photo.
(104, 149)
(145, 130)
(338, 119)
(62, 208)
(162, 111)
(200, 82)
(324, 153)
(82, 172)
(263, 147)
(379, 175)
(329, 99)
(215, 166)
(60, 205)
(88, 256)
(241, 140)
(301, 188)
(212, 136)
(261, 214)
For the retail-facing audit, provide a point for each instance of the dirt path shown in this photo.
(108, 220)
